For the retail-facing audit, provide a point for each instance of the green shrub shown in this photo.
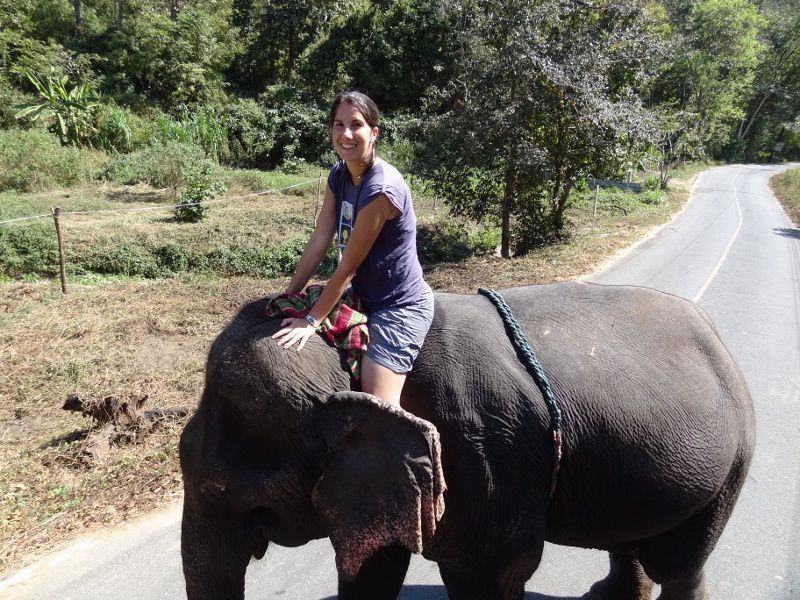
(26, 249)
(9, 98)
(161, 165)
(142, 130)
(791, 180)
(400, 152)
(612, 199)
(250, 136)
(174, 258)
(260, 261)
(200, 187)
(299, 129)
(35, 161)
(655, 196)
(259, 181)
(123, 259)
(452, 240)
(31, 250)
(651, 183)
(399, 140)
(112, 132)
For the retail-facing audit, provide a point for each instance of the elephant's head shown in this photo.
(275, 454)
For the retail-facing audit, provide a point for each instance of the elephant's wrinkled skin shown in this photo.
(658, 435)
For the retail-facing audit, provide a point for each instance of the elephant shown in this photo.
(658, 434)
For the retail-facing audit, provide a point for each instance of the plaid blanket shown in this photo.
(345, 326)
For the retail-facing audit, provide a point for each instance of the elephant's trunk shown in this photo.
(214, 559)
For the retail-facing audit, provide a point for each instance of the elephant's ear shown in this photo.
(383, 484)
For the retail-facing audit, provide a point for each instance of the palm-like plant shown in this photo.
(72, 111)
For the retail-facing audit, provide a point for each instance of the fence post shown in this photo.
(319, 190)
(596, 194)
(56, 212)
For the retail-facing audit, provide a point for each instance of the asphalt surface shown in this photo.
(733, 251)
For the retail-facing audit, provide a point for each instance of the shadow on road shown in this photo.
(438, 592)
(787, 232)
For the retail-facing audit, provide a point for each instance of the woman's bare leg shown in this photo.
(380, 381)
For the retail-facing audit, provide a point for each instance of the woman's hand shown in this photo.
(294, 331)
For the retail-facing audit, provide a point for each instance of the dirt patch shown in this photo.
(159, 353)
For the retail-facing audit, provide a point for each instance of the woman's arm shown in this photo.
(317, 245)
(368, 225)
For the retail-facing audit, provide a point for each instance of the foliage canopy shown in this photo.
(504, 104)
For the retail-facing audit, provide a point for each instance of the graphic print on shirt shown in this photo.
(345, 225)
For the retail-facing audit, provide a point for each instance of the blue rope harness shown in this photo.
(526, 355)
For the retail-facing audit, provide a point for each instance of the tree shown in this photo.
(775, 93)
(543, 94)
(172, 62)
(707, 84)
(275, 33)
(392, 50)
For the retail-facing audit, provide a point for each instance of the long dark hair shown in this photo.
(363, 104)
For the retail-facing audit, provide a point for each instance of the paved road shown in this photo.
(733, 251)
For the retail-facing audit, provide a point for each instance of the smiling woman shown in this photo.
(368, 206)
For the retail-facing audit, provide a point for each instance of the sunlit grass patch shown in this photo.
(787, 189)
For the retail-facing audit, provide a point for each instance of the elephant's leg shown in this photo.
(379, 578)
(675, 559)
(214, 556)
(625, 581)
(485, 578)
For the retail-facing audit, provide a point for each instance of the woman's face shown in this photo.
(352, 136)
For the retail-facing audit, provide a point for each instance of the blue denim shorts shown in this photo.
(396, 334)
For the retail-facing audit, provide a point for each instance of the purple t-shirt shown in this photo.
(390, 274)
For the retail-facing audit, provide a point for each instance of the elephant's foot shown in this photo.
(625, 581)
(485, 580)
(689, 589)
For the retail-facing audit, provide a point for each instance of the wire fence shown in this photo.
(56, 213)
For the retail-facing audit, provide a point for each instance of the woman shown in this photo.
(368, 203)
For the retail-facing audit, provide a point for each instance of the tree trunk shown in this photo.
(561, 205)
(78, 15)
(743, 134)
(118, 15)
(174, 9)
(292, 52)
(508, 199)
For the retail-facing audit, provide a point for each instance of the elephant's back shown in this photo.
(651, 399)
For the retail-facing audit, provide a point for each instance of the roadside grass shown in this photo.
(787, 189)
(129, 336)
(147, 241)
(105, 195)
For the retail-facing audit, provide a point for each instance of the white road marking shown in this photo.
(722, 258)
